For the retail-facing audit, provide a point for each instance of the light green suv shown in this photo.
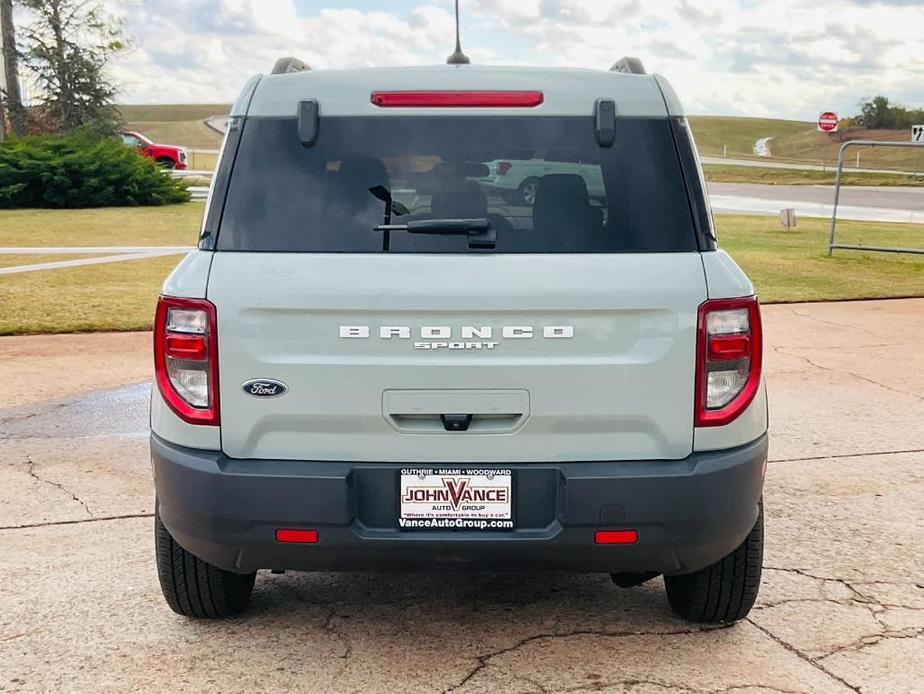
(375, 361)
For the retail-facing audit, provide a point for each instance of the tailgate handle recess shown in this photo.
(455, 411)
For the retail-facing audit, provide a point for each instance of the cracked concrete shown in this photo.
(841, 607)
(57, 485)
(50, 480)
(857, 376)
(834, 389)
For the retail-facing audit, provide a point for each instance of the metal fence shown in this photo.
(832, 239)
(199, 175)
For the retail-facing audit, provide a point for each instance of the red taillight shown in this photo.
(616, 537)
(191, 347)
(457, 99)
(728, 360)
(503, 167)
(300, 537)
(728, 347)
(186, 358)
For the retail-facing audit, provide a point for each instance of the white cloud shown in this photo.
(785, 58)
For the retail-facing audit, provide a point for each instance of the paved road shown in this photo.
(771, 164)
(862, 203)
(218, 124)
(841, 608)
(859, 196)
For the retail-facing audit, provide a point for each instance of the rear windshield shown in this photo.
(543, 183)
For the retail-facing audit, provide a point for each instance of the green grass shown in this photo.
(171, 225)
(816, 146)
(116, 296)
(771, 176)
(201, 161)
(192, 134)
(175, 124)
(784, 265)
(788, 266)
(798, 141)
(171, 112)
(712, 133)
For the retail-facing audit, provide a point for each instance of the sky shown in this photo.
(779, 58)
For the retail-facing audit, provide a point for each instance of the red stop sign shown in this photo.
(827, 122)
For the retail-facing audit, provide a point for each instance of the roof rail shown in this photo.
(284, 66)
(632, 66)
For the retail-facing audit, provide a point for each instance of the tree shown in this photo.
(879, 112)
(68, 46)
(876, 112)
(16, 115)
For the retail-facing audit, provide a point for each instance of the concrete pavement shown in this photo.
(109, 254)
(841, 608)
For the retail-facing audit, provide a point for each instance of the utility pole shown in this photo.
(2, 92)
(15, 113)
(2, 87)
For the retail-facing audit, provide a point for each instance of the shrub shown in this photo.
(81, 171)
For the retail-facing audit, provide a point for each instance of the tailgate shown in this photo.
(541, 357)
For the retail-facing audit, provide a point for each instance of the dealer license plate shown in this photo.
(455, 498)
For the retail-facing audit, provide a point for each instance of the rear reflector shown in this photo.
(457, 99)
(616, 537)
(302, 537)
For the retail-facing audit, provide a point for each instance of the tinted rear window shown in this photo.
(544, 183)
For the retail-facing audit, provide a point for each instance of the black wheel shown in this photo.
(166, 163)
(528, 190)
(725, 591)
(194, 588)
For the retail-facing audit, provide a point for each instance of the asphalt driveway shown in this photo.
(841, 608)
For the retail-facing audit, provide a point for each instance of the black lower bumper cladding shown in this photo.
(687, 514)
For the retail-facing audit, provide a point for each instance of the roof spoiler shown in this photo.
(632, 66)
(285, 66)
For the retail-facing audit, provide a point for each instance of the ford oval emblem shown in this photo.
(265, 388)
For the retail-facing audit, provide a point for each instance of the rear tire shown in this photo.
(527, 191)
(194, 588)
(723, 592)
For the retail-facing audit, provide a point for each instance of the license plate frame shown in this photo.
(455, 498)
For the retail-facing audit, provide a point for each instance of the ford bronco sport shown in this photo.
(375, 360)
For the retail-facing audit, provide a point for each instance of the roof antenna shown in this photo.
(458, 57)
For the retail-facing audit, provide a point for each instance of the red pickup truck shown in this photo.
(168, 156)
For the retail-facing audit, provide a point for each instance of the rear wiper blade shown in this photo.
(480, 232)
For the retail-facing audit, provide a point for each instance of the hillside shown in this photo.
(712, 133)
(798, 142)
(795, 141)
(177, 124)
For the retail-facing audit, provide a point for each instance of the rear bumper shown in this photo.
(688, 513)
